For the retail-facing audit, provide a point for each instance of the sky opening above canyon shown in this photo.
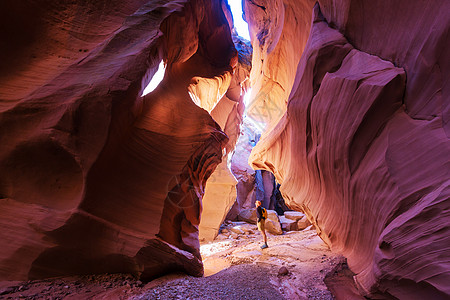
(239, 23)
(156, 79)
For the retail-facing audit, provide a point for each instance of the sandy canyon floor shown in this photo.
(293, 267)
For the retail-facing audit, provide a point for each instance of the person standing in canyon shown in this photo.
(261, 215)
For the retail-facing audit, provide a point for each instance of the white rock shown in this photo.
(294, 215)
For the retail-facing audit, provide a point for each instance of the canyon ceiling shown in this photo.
(354, 97)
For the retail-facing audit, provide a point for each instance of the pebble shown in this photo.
(283, 271)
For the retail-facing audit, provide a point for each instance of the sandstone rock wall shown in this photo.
(278, 32)
(363, 146)
(220, 193)
(94, 178)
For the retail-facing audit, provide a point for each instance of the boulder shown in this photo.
(362, 146)
(283, 271)
(273, 223)
(248, 215)
(288, 224)
(293, 215)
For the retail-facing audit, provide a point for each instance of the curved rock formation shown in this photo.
(94, 178)
(220, 192)
(278, 31)
(363, 146)
(245, 175)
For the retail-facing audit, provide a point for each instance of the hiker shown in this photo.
(261, 214)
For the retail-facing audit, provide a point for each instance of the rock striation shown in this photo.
(278, 31)
(95, 178)
(363, 147)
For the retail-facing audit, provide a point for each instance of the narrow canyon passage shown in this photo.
(334, 114)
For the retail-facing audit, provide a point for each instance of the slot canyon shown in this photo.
(335, 114)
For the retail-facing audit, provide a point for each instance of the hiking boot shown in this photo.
(264, 246)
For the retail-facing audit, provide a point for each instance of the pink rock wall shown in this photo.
(363, 147)
(93, 177)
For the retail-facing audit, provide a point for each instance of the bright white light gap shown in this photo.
(239, 23)
(156, 79)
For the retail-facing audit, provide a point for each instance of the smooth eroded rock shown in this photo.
(363, 151)
(95, 178)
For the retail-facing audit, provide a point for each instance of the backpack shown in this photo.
(264, 213)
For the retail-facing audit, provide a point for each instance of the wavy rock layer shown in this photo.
(94, 178)
(364, 152)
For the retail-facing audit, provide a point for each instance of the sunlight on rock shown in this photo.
(247, 97)
(253, 120)
(213, 248)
